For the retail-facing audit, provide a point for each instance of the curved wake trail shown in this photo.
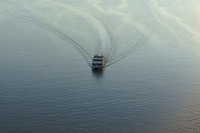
(104, 38)
(148, 32)
(104, 44)
(55, 31)
(126, 18)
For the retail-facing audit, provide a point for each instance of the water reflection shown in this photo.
(98, 72)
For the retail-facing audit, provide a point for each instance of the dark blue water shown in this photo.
(151, 82)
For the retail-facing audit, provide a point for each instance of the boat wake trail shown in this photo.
(146, 35)
(55, 31)
(105, 44)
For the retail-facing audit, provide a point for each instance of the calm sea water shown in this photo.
(151, 82)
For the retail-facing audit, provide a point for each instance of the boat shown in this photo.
(98, 62)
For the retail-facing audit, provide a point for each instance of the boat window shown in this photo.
(97, 60)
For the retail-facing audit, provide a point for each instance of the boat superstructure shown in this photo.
(98, 62)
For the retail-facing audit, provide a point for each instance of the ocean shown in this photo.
(151, 82)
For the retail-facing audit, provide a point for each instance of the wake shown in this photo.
(146, 35)
(105, 47)
(55, 31)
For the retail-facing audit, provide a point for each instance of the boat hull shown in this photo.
(98, 67)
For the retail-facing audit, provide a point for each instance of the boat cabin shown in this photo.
(98, 62)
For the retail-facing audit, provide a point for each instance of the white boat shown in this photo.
(98, 62)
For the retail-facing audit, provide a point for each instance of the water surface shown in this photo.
(151, 82)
